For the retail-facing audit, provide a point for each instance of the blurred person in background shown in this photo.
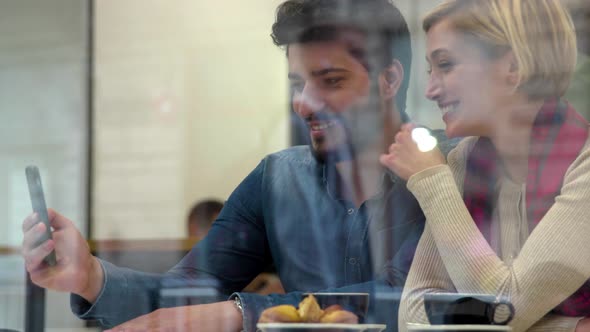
(329, 216)
(508, 214)
(201, 216)
(199, 221)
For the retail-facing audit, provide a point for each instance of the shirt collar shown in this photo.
(335, 185)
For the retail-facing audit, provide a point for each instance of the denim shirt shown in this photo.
(290, 211)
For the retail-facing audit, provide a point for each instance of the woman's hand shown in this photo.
(405, 158)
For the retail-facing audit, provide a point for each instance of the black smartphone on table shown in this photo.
(39, 207)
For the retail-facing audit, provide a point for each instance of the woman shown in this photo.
(508, 215)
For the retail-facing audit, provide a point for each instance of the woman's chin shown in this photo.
(452, 132)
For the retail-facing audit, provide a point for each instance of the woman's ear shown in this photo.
(390, 80)
(512, 70)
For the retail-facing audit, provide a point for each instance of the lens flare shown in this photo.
(423, 139)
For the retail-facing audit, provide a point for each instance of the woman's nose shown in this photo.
(433, 87)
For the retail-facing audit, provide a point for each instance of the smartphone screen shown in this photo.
(39, 206)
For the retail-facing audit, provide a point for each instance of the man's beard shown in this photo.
(363, 129)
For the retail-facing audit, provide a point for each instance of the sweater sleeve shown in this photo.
(551, 265)
(555, 323)
(427, 275)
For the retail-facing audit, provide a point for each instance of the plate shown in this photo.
(323, 327)
(458, 327)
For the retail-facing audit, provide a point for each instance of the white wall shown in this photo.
(189, 97)
(42, 108)
(42, 121)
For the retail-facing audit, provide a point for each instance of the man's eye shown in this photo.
(332, 81)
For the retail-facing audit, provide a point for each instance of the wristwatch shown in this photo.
(238, 304)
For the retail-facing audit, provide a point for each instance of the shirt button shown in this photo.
(350, 211)
(352, 261)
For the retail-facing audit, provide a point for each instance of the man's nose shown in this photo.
(307, 102)
(433, 87)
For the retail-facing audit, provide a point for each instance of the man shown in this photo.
(329, 216)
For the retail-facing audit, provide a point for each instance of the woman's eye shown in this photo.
(445, 66)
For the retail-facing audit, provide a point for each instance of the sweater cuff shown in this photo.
(556, 323)
(82, 308)
(422, 182)
(103, 309)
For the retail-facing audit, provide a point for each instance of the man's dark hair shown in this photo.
(204, 212)
(301, 21)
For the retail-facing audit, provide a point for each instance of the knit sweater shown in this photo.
(535, 272)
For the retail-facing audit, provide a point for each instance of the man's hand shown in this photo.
(404, 157)
(77, 271)
(214, 317)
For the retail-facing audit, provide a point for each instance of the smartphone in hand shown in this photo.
(39, 207)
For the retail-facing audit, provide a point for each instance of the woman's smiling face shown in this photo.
(469, 87)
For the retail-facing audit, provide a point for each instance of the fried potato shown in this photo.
(309, 310)
(339, 316)
(333, 307)
(280, 314)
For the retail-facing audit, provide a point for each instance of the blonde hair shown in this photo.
(540, 33)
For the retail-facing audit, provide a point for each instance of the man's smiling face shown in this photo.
(332, 93)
